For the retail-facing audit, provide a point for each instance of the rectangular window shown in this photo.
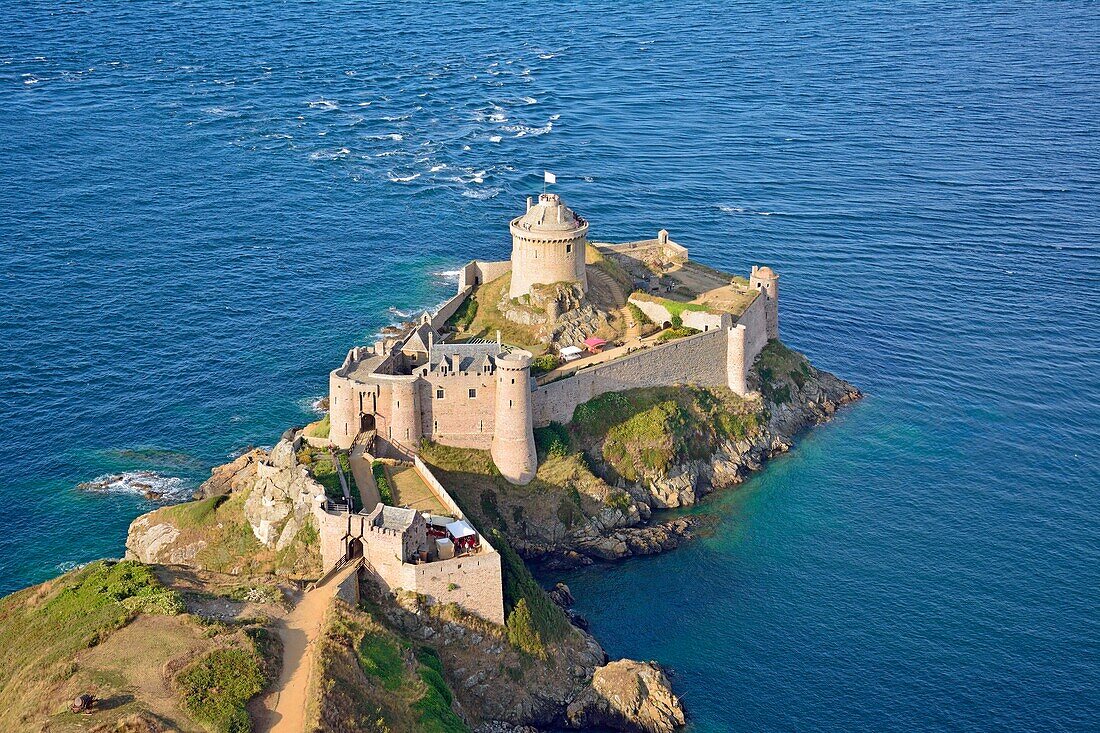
(473, 394)
(568, 248)
(439, 394)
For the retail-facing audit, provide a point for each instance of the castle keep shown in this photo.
(479, 392)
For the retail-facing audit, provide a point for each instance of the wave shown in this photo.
(396, 118)
(525, 130)
(323, 104)
(481, 194)
(69, 565)
(448, 274)
(395, 311)
(329, 154)
(402, 179)
(395, 136)
(530, 100)
(149, 484)
(495, 138)
(437, 168)
(546, 56)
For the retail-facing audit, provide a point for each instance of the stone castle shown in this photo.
(480, 393)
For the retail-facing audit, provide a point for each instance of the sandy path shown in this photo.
(299, 632)
(359, 460)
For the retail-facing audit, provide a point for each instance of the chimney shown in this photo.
(530, 203)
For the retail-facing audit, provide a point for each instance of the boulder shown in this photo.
(629, 696)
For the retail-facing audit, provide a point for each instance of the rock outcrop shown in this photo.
(628, 695)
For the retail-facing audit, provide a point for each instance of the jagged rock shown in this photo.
(560, 595)
(628, 696)
(145, 542)
(232, 476)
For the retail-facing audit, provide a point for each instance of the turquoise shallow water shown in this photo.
(203, 206)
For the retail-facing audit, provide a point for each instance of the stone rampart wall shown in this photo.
(698, 359)
(458, 419)
(474, 582)
(448, 309)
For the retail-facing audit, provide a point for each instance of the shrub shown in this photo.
(552, 440)
(385, 491)
(217, 687)
(676, 332)
(544, 363)
(639, 315)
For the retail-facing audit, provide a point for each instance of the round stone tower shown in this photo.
(404, 431)
(547, 245)
(765, 280)
(513, 437)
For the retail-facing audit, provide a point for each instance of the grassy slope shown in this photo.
(642, 432)
(231, 545)
(112, 630)
(487, 318)
(370, 679)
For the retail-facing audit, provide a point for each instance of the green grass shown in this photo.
(670, 334)
(324, 473)
(345, 466)
(385, 491)
(80, 610)
(319, 429)
(643, 431)
(552, 440)
(675, 308)
(462, 318)
(195, 513)
(639, 315)
(381, 658)
(781, 368)
(217, 687)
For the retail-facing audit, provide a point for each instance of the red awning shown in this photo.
(594, 342)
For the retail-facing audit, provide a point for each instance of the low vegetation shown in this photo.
(484, 318)
(463, 318)
(544, 363)
(372, 679)
(228, 544)
(779, 369)
(676, 332)
(319, 429)
(643, 432)
(216, 688)
(116, 631)
(385, 491)
(675, 308)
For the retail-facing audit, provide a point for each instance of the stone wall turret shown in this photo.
(548, 244)
(736, 368)
(404, 429)
(766, 281)
(513, 437)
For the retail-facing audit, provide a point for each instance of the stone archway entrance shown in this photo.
(355, 549)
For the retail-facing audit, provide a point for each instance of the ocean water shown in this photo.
(204, 204)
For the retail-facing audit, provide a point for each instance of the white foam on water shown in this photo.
(64, 567)
(140, 483)
(731, 209)
(494, 139)
(395, 311)
(555, 118)
(481, 194)
(437, 168)
(395, 118)
(530, 100)
(546, 56)
(402, 179)
(525, 130)
(323, 104)
(448, 274)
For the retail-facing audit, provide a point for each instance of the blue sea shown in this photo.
(204, 204)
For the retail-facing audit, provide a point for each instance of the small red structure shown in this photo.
(594, 344)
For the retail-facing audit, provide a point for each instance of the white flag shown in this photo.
(549, 177)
